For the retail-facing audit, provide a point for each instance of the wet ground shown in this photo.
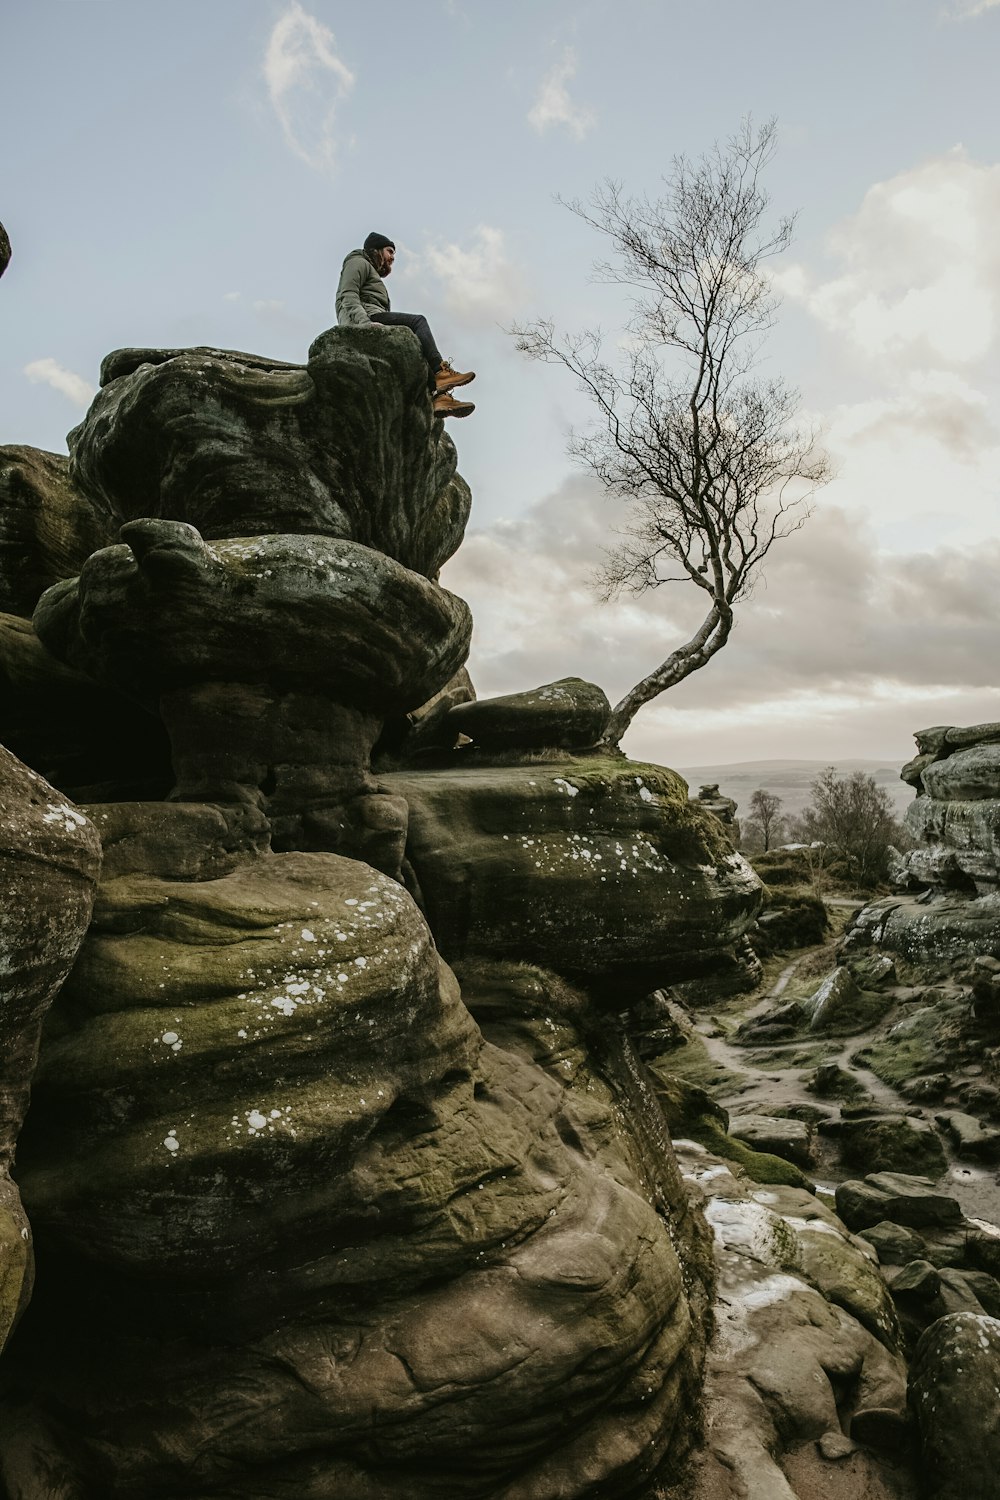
(772, 1079)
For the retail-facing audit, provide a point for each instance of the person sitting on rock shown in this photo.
(362, 300)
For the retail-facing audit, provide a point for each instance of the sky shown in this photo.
(195, 173)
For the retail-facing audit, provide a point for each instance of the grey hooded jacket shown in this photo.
(361, 291)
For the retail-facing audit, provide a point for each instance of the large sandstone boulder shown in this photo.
(346, 446)
(47, 528)
(943, 930)
(570, 714)
(958, 842)
(905, 1199)
(304, 1226)
(49, 859)
(966, 775)
(592, 867)
(307, 1225)
(954, 1381)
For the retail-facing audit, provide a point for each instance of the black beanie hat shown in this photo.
(378, 242)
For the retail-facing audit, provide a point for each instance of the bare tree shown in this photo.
(709, 460)
(765, 814)
(853, 818)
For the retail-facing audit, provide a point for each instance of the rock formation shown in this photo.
(49, 859)
(955, 824)
(310, 1218)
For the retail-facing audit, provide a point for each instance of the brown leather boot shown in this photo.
(447, 406)
(448, 378)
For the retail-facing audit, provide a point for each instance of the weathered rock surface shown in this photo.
(904, 1199)
(390, 1258)
(834, 1003)
(723, 807)
(49, 860)
(953, 1390)
(943, 930)
(594, 867)
(955, 824)
(892, 1144)
(309, 1224)
(346, 446)
(47, 528)
(967, 775)
(791, 1139)
(802, 1316)
(568, 714)
(970, 1136)
(273, 662)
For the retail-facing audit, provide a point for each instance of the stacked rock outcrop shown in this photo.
(954, 821)
(308, 1221)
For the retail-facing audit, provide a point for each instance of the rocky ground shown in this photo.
(842, 1123)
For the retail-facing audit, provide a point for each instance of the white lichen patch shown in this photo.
(566, 787)
(772, 1289)
(67, 817)
(750, 1229)
(171, 1142)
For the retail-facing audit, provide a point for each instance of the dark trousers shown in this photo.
(419, 325)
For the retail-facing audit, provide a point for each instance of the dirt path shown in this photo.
(771, 1078)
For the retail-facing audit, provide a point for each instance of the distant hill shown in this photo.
(790, 780)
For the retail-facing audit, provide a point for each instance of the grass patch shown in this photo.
(695, 1064)
(915, 1045)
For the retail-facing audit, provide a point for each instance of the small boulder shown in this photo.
(903, 1198)
(834, 1446)
(569, 714)
(838, 991)
(831, 1081)
(970, 1137)
(959, 738)
(892, 1143)
(840, 1005)
(954, 1379)
(919, 1280)
(790, 1139)
(925, 1089)
(894, 1244)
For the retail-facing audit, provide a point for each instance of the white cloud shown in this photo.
(921, 277)
(554, 105)
(51, 372)
(478, 282)
(967, 10)
(845, 648)
(306, 81)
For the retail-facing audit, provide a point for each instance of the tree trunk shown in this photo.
(711, 636)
